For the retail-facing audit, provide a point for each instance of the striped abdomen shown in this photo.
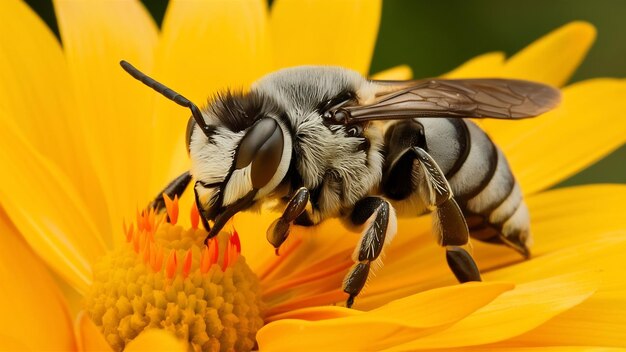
(481, 181)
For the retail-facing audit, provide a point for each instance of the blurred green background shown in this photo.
(434, 37)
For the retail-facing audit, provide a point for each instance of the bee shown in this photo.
(325, 142)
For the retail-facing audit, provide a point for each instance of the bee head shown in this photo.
(239, 148)
(243, 159)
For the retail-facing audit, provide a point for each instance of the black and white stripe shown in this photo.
(480, 178)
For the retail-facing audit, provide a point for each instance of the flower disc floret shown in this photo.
(166, 278)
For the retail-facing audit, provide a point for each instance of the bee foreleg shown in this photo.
(279, 230)
(174, 188)
(380, 220)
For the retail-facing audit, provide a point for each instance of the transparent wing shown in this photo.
(476, 98)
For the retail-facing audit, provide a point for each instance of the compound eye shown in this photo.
(191, 124)
(262, 148)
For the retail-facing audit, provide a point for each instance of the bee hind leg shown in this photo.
(175, 188)
(451, 228)
(278, 231)
(380, 220)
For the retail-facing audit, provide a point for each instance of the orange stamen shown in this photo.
(234, 256)
(172, 208)
(234, 239)
(213, 250)
(158, 261)
(129, 232)
(205, 260)
(136, 241)
(187, 264)
(172, 263)
(226, 257)
(195, 216)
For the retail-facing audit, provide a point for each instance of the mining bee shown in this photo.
(326, 143)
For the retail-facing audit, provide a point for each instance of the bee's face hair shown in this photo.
(232, 116)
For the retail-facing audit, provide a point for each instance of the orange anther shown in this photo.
(187, 263)
(205, 260)
(213, 250)
(195, 216)
(129, 232)
(234, 239)
(172, 263)
(234, 256)
(136, 241)
(158, 260)
(225, 262)
(142, 240)
(172, 208)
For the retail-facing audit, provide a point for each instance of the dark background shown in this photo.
(434, 37)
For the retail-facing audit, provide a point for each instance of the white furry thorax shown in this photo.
(326, 157)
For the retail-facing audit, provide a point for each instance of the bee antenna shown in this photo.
(168, 93)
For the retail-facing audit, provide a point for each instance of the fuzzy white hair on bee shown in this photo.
(313, 139)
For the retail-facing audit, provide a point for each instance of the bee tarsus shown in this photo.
(173, 189)
(278, 231)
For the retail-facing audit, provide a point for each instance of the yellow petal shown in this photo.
(317, 313)
(514, 312)
(34, 92)
(397, 73)
(553, 58)
(399, 321)
(156, 340)
(205, 46)
(115, 110)
(499, 347)
(341, 33)
(485, 65)
(597, 322)
(547, 149)
(600, 320)
(36, 96)
(34, 315)
(311, 265)
(89, 336)
(48, 211)
(251, 228)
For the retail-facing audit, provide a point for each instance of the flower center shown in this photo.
(166, 278)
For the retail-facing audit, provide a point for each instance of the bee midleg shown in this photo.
(381, 226)
(175, 188)
(278, 231)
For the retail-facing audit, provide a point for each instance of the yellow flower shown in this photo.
(86, 144)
